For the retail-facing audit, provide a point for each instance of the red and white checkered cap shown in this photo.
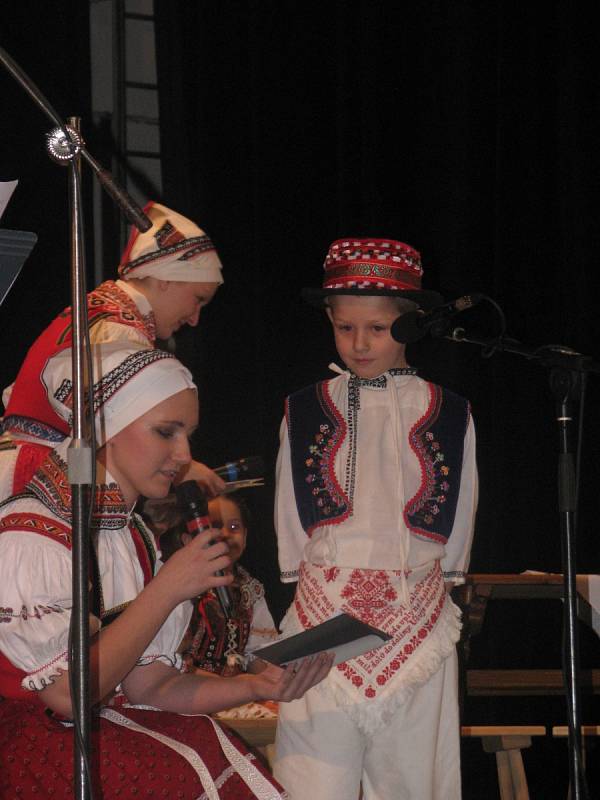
(366, 267)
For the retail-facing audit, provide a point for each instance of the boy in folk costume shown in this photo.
(167, 274)
(375, 505)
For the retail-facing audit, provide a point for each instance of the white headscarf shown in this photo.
(173, 249)
(128, 382)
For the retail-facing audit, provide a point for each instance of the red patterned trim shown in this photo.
(109, 302)
(142, 553)
(396, 276)
(51, 486)
(29, 458)
(371, 596)
(36, 523)
(197, 244)
(407, 649)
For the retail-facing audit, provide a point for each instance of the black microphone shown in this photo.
(194, 505)
(242, 469)
(414, 325)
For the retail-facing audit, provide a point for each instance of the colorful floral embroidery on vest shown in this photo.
(320, 498)
(447, 417)
(320, 475)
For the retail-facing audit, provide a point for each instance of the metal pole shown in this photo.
(80, 476)
(563, 384)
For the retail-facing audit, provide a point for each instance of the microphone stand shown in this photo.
(568, 376)
(66, 147)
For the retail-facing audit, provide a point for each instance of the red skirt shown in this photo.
(36, 757)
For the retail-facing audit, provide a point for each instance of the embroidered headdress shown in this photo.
(128, 382)
(372, 267)
(174, 249)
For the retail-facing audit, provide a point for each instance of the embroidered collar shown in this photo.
(51, 486)
(132, 301)
(380, 382)
(355, 384)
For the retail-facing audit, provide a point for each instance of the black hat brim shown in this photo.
(425, 298)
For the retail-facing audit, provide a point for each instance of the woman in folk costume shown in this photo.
(145, 740)
(375, 504)
(167, 275)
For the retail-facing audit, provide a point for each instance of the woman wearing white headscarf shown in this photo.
(146, 408)
(166, 277)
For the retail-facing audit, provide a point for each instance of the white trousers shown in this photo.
(322, 755)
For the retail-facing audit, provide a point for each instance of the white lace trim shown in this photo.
(256, 782)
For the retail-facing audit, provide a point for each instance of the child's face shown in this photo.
(361, 326)
(225, 514)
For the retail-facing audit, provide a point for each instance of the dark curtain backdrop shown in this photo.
(468, 130)
(51, 45)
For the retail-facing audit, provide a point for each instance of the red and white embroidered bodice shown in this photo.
(35, 578)
(116, 312)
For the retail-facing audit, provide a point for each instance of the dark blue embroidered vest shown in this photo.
(316, 430)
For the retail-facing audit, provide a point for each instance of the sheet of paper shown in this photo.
(6, 191)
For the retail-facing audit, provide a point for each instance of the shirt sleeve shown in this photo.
(291, 537)
(35, 606)
(110, 331)
(166, 643)
(458, 550)
(262, 628)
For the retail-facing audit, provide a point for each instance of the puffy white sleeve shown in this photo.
(123, 580)
(458, 550)
(8, 462)
(35, 606)
(291, 537)
(166, 643)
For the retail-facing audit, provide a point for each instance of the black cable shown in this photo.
(489, 350)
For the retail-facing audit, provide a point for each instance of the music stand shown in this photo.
(15, 247)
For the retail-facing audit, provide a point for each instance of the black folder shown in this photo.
(343, 634)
